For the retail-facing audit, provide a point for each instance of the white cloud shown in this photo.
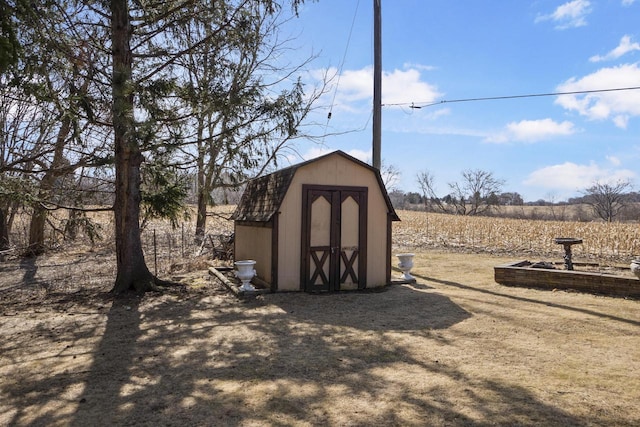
(402, 86)
(571, 177)
(355, 85)
(621, 121)
(532, 131)
(569, 15)
(615, 161)
(624, 47)
(421, 67)
(619, 106)
(627, 2)
(398, 86)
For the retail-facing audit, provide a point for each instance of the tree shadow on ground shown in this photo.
(397, 307)
(28, 265)
(530, 300)
(109, 378)
(286, 359)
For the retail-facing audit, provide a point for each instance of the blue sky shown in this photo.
(446, 50)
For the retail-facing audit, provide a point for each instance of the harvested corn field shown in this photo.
(601, 241)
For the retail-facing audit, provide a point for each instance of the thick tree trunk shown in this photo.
(201, 217)
(132, 271)
(36, 231)
(203, 197)
(203, 200)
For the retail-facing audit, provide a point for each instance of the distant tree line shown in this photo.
(478, 192)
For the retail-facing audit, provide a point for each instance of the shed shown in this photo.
(321, 225)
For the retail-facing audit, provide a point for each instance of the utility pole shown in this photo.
(377, 84)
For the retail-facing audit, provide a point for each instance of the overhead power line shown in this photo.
(492, 98)
(344, 57)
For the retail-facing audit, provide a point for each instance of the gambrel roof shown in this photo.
(263, 196)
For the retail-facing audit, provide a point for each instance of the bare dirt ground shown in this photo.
(453, 349)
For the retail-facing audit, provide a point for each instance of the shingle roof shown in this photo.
(263, 196)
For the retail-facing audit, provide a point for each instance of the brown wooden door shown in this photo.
(334, 225)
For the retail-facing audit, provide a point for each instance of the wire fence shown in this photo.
(166, 248)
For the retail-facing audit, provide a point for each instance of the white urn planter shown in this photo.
(405, 265)
(635, 267)
(245, 272)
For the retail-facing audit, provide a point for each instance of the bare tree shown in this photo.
(242, 106)
(51, 110)
(390, 176)
(21, 130)
(607, 200)
(475, 194)
(558, 211)
(426, 181)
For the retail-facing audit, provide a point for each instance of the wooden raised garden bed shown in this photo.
(521, 273)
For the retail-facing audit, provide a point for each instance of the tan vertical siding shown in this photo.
(255, 243)
(331, 170)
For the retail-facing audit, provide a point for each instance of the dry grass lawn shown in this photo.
(454, 349)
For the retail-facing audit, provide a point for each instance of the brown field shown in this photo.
(602, 242)
(454, 349)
